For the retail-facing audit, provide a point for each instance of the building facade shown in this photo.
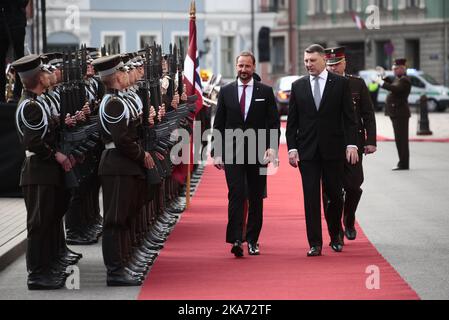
(127, 25)
(415, 29)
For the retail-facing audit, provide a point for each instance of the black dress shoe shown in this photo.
(401, 169)
(237, 249)
(336, 246)
(123, 279)
(45, 282)
(314, 252)
(253, 249)
(351, 234)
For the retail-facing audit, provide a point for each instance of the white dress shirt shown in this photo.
(322, 80)
(249, 94)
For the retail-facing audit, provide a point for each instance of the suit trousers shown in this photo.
(237, 195)
(330, 172)
(401, 134)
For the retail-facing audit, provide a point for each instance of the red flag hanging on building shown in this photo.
(358, 21)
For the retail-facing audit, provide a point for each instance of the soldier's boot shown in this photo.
(351, 203)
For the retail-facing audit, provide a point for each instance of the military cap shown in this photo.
(30, 65)
(108, 65)
(127, 59)
(335, 55)
(93, 53)
(55, 59)
(400, 62)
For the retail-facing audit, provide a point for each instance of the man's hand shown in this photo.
(64, 161)
(152, 117)
(160, 156)
(175, 101)
(70, 121)
(270, 157)
(218, 163)
(352, 155)
(370, 149)
(293, 158)
(148, 161)
(80, 117)
(161, 113)
(86, 109)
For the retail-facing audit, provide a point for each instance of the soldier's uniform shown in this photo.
(42, 183)
(367, 136)
(122, 176)
(398, 110)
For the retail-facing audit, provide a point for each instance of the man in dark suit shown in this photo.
(399, 111)
(321, 133)
(247, 106)
(366, 138)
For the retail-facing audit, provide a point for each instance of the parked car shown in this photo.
(422, 84)
(282, 89)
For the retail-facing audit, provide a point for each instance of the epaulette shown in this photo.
(354, 77)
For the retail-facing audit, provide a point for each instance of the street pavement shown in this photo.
(404, 214)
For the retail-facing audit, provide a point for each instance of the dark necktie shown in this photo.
(243, 101)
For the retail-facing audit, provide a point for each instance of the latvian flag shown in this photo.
(191, 65)
(358, 21)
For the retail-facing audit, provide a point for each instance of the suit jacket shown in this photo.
(397, 99)
(328, 130)
(364, 111)
(262, 115)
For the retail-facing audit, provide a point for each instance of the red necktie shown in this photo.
(243, 101)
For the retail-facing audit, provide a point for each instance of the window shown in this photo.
(227, 56)
(145, 39)
(320, 6)
(416, 82)
(278, 54)
(114, 42)
(415, 4)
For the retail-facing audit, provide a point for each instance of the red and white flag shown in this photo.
(192, 78)
(358, 21)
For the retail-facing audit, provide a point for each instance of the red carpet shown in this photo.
(197, 264)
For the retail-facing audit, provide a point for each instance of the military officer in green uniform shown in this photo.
(399, 111)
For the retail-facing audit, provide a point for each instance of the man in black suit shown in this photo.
(321, 132)
(247, 106)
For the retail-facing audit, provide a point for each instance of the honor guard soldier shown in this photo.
(366, 138)
(42, 180)
(121, 170)
(398, 110)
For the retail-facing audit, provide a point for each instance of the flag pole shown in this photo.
(189, 174)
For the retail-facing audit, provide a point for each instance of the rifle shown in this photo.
(153, 176)
(172, 70)
(180, 69)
